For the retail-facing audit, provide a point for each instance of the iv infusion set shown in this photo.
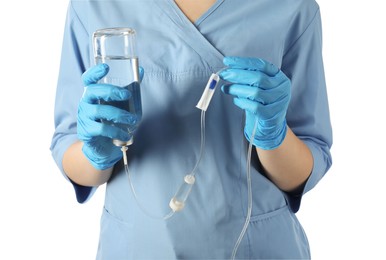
(117, 48)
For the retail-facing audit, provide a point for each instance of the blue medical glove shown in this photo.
(97, 136)
(264, 92)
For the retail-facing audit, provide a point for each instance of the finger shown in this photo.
(263, 128)
(247, 77)
(246, 104)
(266, 112)
(97, 113)
(262, 111)
(116, 115)
(93, 129)
(95, 73)
(242, 91)
(252, 93)
(106, 92)
(254, 64)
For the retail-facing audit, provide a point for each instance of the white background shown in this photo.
(40, 218)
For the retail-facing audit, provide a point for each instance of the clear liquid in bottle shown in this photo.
(123, 72)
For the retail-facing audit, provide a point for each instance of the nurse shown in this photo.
(273, 96)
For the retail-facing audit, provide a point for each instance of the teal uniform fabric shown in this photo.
(178, 57)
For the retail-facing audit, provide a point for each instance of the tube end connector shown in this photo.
(176, 205)
(207, 95)
(120, 143)
(190, 179)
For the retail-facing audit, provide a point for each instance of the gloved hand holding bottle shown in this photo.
(264, 92)
(96, 135)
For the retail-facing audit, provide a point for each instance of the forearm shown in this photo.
(289, 165)
(79, 170)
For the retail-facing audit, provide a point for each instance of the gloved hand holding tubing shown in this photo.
(264, 92)
(96, 135)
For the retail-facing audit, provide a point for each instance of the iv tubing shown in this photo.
(177, 203)
(190, 176)
(167, 216)
(193, 172)
(190, 179)
(249, 182)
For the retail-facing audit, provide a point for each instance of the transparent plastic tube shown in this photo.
(249, 183)
(177, 202)
(143, 209)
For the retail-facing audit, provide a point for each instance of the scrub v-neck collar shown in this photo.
(189, 33)
(204, 15)
(208, 12)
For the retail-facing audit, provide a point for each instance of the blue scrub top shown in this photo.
(178, 58)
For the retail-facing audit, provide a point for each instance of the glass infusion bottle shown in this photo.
(117, 48)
